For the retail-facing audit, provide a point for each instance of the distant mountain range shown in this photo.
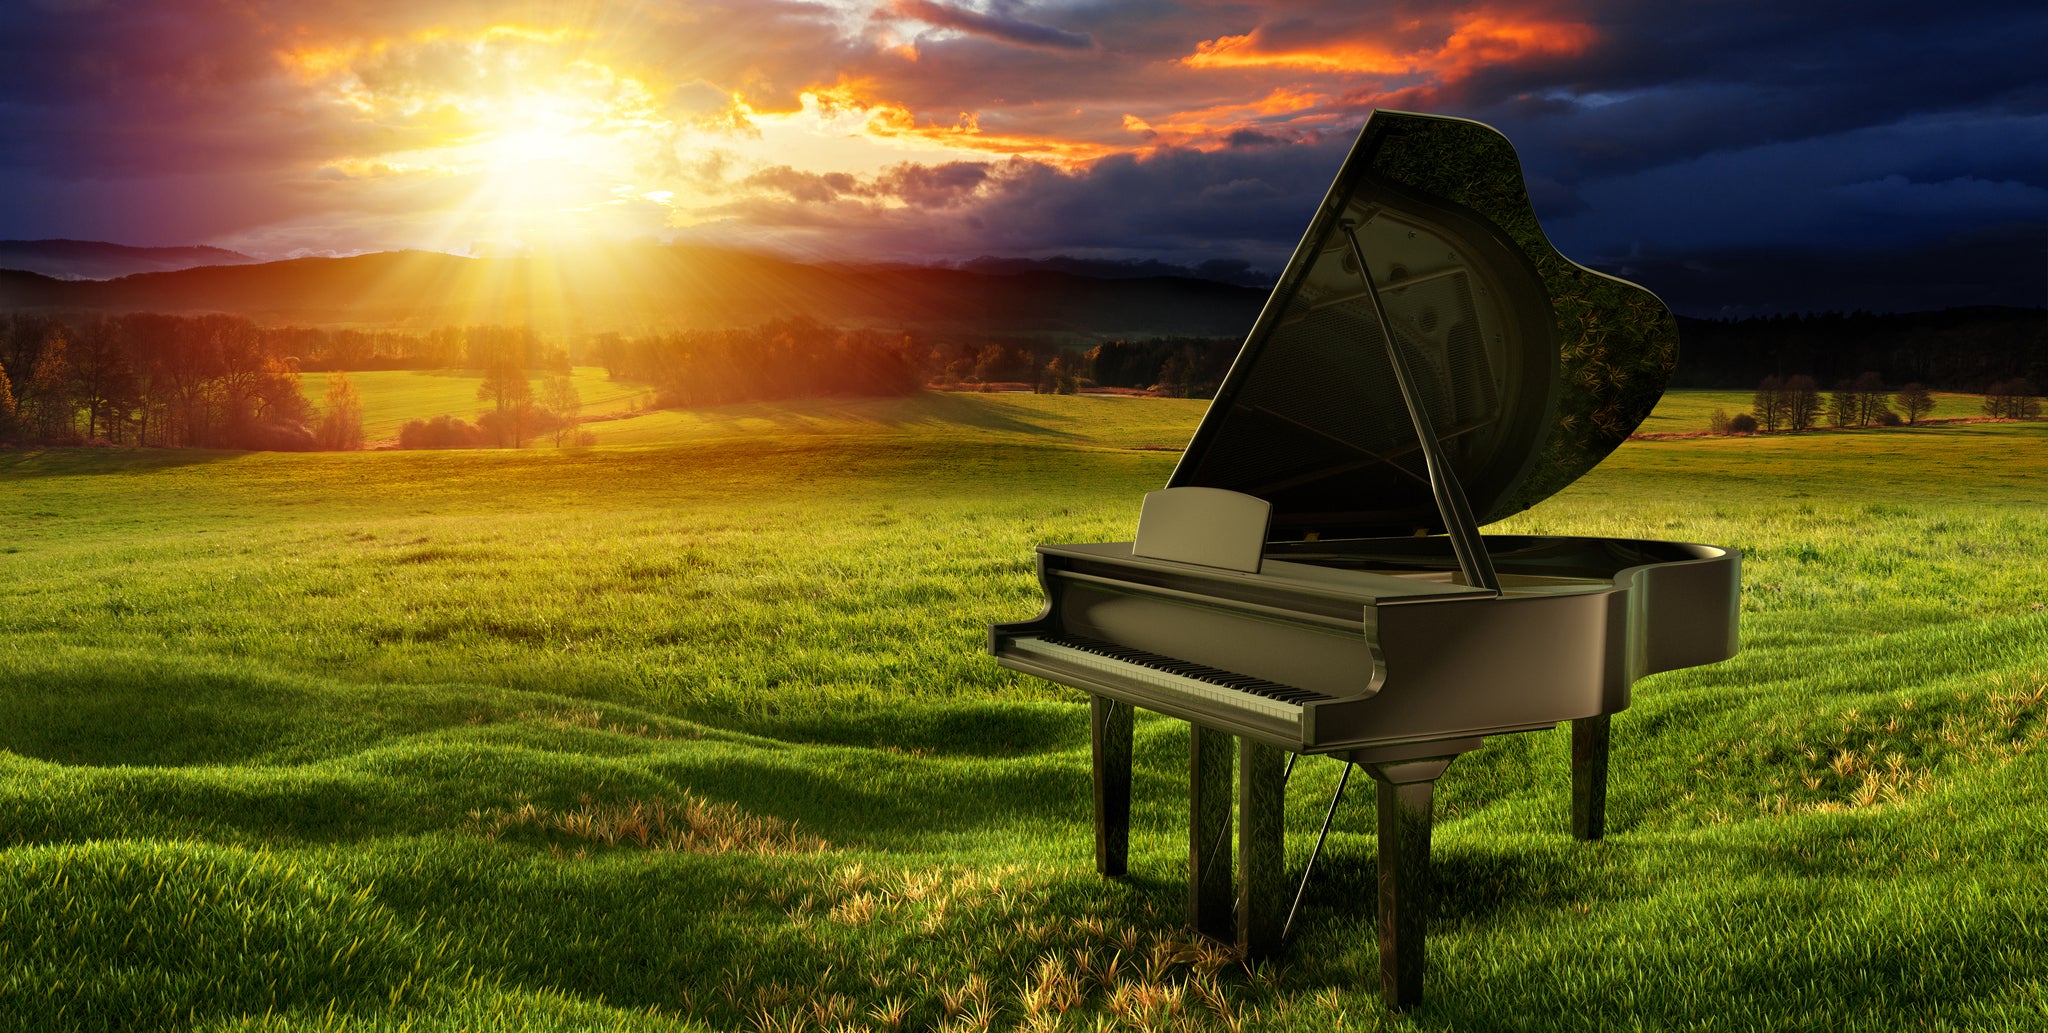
(655, 288)
(94, 260)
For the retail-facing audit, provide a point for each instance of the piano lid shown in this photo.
(1532, 368)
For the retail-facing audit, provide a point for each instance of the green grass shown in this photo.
(549, 739)
(391, 397)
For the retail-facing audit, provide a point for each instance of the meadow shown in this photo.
(391, 397)
(694, 729)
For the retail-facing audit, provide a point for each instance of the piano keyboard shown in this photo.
(1181, 676)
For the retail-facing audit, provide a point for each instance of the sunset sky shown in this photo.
(1736, 157)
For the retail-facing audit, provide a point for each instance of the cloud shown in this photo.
(947, 129)
(998, 24)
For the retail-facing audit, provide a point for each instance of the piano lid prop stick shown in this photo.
(1310, 868)
(1217, 846)
(1450, 498)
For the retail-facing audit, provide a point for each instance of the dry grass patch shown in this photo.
(691, 826)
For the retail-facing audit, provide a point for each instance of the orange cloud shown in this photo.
(886, 120)
(1247, 51)
(1209, 127)
(1475, 39)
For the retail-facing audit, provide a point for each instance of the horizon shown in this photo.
(1767, 162)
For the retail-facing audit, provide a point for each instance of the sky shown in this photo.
(1736, 157)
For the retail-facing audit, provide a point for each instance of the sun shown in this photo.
(539, 162)
(513, 137)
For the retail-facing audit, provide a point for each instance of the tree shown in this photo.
(1173, 378)
(49, 389)
(1742, 423)
(990, 364)
(505, 386)
(6, 405)
(442, 431)
(341, 422)
(1872, 400)
(1842, 404)
(558, 393)
(1915, 401)
(1058, 377)
(102, 382)
(2012, 400)
(1802, 402)
(1769, 403)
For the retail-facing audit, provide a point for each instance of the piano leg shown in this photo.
(1109, 726)
(1405, 792)
(1589, 777)
(1262, 861)
(1211, 756)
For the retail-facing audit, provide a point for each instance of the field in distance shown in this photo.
(622, 412)
(699, 734)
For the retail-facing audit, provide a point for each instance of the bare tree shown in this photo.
(505, 386)
(1872, 401)
(1915, 401)
(102, 382)
(1842, 404)
(1769, 403)
(341, 422)
(1802, 402)
(559, 395)
(2012, 400)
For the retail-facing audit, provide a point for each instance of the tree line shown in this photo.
(1797, 403)
(783, 358)
(221, 381)
(208, 381)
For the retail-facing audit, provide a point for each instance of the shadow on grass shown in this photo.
(955, 729)
(801, 416)
(1468, 886)
(136, 712)
(81, 462)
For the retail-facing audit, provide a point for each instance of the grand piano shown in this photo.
(1312, 579)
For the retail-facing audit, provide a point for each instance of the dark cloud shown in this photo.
(1180, 206)
(933, 186)
(1983, 265)
(1000, 23)
(917, 186)
(813, 187)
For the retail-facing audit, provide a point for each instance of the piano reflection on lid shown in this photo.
(1313, 580)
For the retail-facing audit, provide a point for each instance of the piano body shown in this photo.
(1312, 580)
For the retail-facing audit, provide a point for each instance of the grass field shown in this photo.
(391, 397)
(698, 733)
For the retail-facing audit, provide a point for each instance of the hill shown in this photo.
(654, 288)
(96, 260)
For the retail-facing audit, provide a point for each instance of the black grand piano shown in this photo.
(1313, 581)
